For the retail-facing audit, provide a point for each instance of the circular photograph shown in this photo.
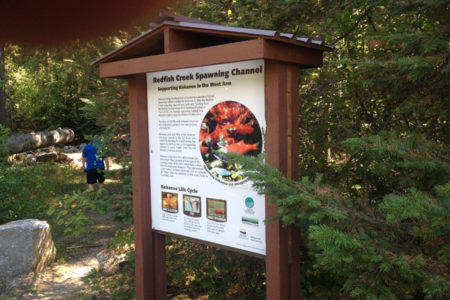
(228, 126)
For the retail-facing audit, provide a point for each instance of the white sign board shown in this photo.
(195, 116)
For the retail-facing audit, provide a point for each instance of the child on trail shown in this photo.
(94, 165)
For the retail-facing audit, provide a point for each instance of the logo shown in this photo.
(249, 202)
(243, 233)
(250, 221)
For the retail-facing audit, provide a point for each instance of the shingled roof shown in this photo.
(202, 34)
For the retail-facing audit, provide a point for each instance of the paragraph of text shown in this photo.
(183, 106)
(181, 165)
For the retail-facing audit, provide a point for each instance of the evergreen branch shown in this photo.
(364, 15)
(369, 18)
(317, 203)
(361, 102)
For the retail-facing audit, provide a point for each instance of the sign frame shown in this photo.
(171, 103)
(183, 42)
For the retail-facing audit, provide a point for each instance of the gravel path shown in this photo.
(65, 280)
(60, 281)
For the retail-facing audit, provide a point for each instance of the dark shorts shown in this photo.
(94, 175)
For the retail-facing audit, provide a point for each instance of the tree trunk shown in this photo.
(41, 139)
(2, 91)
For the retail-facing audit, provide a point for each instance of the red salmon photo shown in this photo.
(228, 126)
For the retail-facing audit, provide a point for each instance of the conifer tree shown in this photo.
(374, 136)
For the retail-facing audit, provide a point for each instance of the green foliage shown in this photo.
(70, 212)
(195, 270)
(24, 191)
(123, 206)
(374, 122)
(17, 200)
(391, 163)
(390, 249)
(4, 153)
(51, 88)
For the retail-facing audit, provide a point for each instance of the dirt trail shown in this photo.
(66, 279)
(61, 281)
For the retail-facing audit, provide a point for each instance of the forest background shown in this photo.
(372, 205)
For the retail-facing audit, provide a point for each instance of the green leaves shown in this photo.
(51, 88)
(51, 210)
(196, 270)
(72, 212)
(414, 205)
(4, 151)
(21, 193)
(390, 249)
(373, 121)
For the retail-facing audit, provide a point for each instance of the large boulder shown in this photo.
(25, 246)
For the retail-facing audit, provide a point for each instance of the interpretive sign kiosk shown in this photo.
(197, 91)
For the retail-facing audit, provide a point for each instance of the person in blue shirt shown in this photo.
(94, 165)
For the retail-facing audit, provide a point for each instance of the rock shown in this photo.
(46, 149)
(56, 157)
(25, 157)
(25, 246)
(70, 149)
(46, 157)
(29, 159)
(109, 261)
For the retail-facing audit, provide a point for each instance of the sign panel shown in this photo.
(195, 116)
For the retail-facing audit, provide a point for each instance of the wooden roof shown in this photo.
(180, 36)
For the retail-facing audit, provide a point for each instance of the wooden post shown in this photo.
(177, 45)
(282, 253)
(150, 269)
(282, 258)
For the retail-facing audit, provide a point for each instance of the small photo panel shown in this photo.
(169, 202)
(192, 206)
(216, 210)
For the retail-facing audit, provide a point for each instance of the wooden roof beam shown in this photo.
(239, 51)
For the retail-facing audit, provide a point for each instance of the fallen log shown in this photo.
(41, 139)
